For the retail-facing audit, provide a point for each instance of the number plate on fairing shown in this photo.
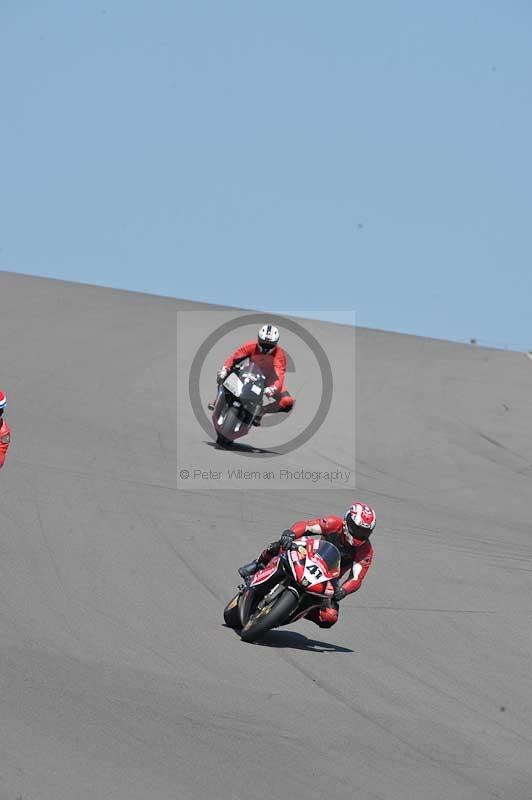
(312, 573)
(234, 384)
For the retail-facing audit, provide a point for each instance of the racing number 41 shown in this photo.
(316, 571)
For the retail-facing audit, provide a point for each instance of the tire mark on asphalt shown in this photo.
(343, 701)
(60, 579)
(187, 562)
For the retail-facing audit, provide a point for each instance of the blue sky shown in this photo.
(286, 156)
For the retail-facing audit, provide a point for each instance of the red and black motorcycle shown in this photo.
(294, 582)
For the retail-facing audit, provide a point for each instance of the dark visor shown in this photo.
(355, 531)
(267, 345)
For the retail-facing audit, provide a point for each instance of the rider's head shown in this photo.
(359, 522)
(267, 338)
(3, 403)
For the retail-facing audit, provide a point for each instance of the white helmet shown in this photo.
(268, 338)
(359, 522)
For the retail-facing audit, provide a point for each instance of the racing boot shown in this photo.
(248, 570)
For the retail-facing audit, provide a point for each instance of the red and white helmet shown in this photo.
(3, 403)
(267, 337)
(359, 521)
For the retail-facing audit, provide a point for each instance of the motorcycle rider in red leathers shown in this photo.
(271, 359)
(5, 433)
(351, 537)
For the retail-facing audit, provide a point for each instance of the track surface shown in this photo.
(117, 677)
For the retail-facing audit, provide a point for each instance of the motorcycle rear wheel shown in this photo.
(269, 616)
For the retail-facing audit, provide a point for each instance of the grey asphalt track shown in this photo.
(117, 677)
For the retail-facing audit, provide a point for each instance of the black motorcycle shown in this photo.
(238, 402)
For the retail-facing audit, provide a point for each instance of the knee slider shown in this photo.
(327, 617)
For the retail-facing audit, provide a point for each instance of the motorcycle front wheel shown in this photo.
(231, 615)
(226, 431)
(269, 616)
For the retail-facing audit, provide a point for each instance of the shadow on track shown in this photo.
(297, 641)
(242, 448)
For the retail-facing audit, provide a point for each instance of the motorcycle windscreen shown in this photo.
(253, 383)
(250, 369)
(330, 555)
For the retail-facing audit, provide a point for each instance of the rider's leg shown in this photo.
(326, 616)
(284, 402)
(263, 559)
(247, 570)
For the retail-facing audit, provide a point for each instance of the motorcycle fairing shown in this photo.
(242, 391)
(265, 574)
(326, 589)
(315, 564)
(233, 384)
(264, 581)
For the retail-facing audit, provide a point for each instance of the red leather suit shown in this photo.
(355, 561)
(5, 440)
(272, 364)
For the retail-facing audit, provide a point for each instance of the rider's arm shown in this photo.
(246, 350)
(317, 526)
(299, 529)
(320, 526)
(279, 365)
(358, 571)
(307, 526)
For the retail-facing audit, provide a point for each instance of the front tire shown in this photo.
(231, 418)
(231, 614)
(269, 617)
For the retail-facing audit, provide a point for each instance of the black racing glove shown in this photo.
(287, 539)
(339, 593)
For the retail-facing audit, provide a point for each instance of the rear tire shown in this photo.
(269, 617)
(231, 615)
